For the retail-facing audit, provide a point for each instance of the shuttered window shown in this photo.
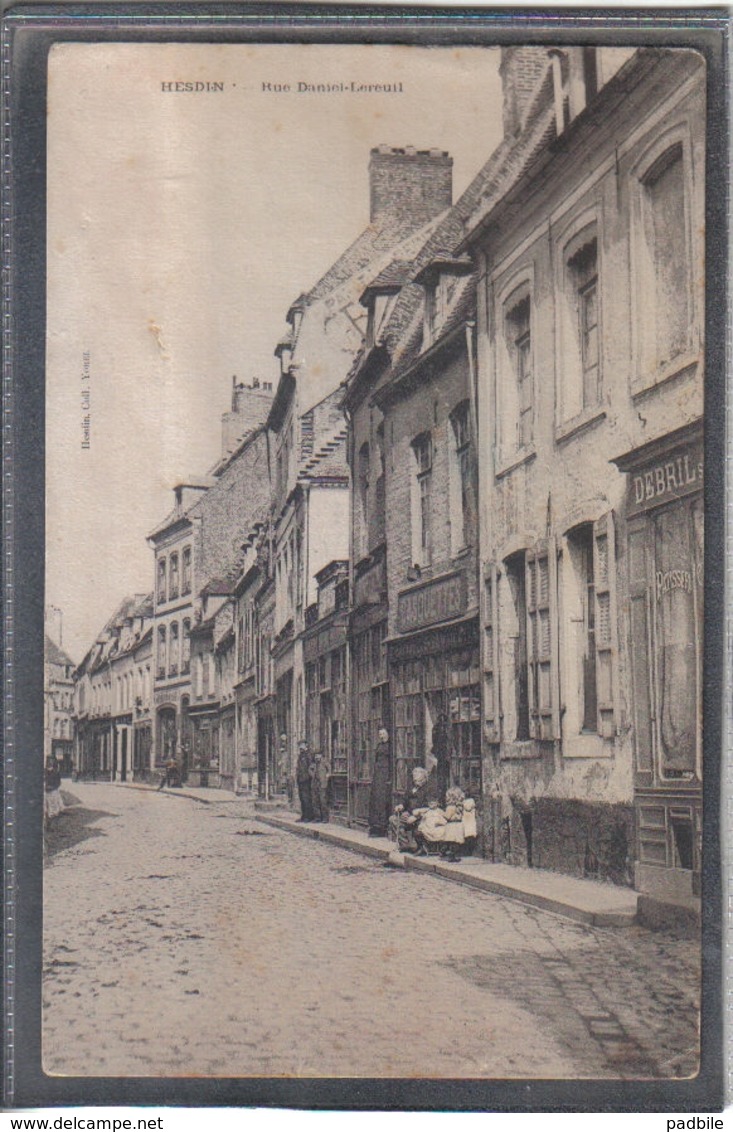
(492, 717)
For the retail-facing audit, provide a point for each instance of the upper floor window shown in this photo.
(462, 497)
(173, 577)
(519, 394)
(363, 484)
(663, 269)
(578, 361)
(422, 448)
(186, 571)
(162, 656)
(161, 587)
(583, 271)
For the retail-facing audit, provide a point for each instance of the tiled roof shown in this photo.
(54, 654)
(402, 335)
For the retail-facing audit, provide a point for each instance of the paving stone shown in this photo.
(309, 960)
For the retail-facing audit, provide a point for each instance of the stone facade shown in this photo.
(589, 352)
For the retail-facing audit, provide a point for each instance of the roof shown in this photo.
(391, 278)
(54, 654)
(401, 338)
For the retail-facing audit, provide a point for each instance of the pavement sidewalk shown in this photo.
(590, 902)
(205, 794)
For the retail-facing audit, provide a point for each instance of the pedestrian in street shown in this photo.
(170, 774)
(52, 801)
(304, 781)
(319, 787)
(441, 755)
(380, 796)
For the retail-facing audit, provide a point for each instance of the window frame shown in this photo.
(648, 370)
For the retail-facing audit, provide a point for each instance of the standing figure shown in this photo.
(319, 787)
(380, 797)
(52, 801)
(303, 779)
(441, 754)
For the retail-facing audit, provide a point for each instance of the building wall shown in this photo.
(571, 794)
(427, 411)
(328, 531)
(239, 498)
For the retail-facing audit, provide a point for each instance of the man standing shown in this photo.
(380, 797)
(303, 779)
(319, 787)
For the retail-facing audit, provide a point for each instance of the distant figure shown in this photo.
(170, 774)
(52, 801)
(303, 779)
(319, 787)
(380, 797)
(441, 754)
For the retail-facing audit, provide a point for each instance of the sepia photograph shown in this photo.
(374, 561)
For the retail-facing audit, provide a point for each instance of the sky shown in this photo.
(180, 228)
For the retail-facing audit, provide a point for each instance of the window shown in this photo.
(363, 480)
(186, 571)
(583, 272)
(588, 587)
(161, 588)
(516, 576)
(462, 495)
(186, 646)
(173, 650)
(664, 278)
(519, 346)
(422, 541)
(377, 537)
(173, 577)
(162, 658)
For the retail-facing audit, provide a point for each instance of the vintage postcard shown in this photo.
(374, 561)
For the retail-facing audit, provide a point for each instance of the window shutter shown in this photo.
(492, 702)
(540, 608)
(604, 573)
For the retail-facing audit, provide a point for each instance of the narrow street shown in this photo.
(190, 939)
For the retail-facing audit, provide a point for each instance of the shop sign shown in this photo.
(672, 477)
(432, 602)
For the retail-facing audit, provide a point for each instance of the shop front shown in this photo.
(664, 513)
(434, 678)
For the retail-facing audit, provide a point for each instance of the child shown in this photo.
(453, 837)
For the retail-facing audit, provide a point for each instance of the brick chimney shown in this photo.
(409, 182)
(250, 406)
(522, 70)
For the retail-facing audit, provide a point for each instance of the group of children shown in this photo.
(421, 825)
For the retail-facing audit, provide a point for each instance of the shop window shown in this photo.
(422, 448)
(186, 571)
(173, 577)
(677, 594)
(461, 487)
(161, 587)
(664, 283)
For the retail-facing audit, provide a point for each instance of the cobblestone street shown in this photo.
(189, 939)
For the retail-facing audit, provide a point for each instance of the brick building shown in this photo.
(408, 191)
(590, 361)
(197, 544)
